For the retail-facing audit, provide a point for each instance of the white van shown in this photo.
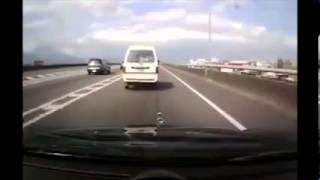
(140, 65)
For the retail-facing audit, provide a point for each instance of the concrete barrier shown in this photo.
(277, 93)
(31, 68)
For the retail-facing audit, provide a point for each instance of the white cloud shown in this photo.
(223, 5)
(69, 51)
(97, 25)
(36, 24)
(167, 15)
(189, 5)
(140, 27)
(97, 8)
(258, 30)
(89, 25)
(216, 21)
(197, 19)
(29, 46)
(35, 7)
(164, 34)
(130, 2)
(222, 26)
(291, 41)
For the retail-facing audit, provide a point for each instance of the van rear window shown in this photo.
(140, 56)
(95, 62)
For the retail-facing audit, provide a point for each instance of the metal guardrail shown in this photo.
(285, 71)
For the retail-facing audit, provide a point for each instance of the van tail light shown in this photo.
(157, 69)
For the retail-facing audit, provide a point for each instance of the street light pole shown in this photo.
(209, 29)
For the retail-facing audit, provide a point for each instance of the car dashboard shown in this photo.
(52, 168)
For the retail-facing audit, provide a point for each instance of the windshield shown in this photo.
(228, 70)
(140, 56)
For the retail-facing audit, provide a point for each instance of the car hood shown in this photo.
(154, 143)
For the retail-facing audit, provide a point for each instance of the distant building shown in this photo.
(38, 62)
(275, 64)
(238, 63)
(227, 70)
(197, 61)
(253, 63)
(287, 64)
(263, 64)
(214, 61)
(280, 63)
(294, 66)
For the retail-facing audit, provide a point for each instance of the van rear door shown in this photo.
(141, 61)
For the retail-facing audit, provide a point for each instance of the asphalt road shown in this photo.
(184, 99)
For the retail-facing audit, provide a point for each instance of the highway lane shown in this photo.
(247, 109)
(36, 94)
(114, 106)
(40, 76)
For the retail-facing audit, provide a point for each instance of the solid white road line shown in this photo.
(50, 107)
(227, 116)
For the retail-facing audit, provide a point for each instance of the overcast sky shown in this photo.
(242, 29)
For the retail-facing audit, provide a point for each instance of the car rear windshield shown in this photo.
(141, 56)
(95, 62)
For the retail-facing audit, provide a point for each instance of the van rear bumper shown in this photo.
(140, 78)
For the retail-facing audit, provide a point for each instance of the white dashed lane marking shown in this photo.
(39, 78)
(28, 78)
(49, 75)
(54, 105)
